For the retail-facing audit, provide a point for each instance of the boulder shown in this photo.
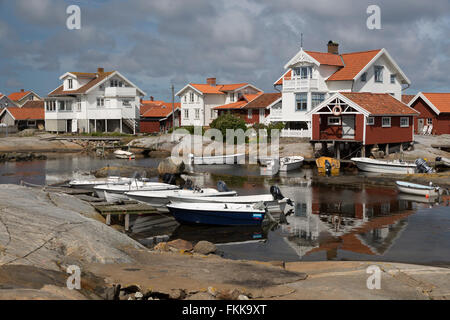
(171, 165)
(205, 247)
(180, 244)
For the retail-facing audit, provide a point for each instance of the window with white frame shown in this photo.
(334, 121)
(78, 106)
(232, 97)
(393, 77)
(191, 97)
(370, 121)
(303, 72)
(429, 121)
(70, 83)
(404, 122)
(186, 113)
(213, 113)
(100, 102)
(316, 99)
(197, 114)
(50, 106)
(185, 98)
(250, 113)
(301, 101)
(126, 103)
(378, 73)
(61, 106)
(114, 83)
(364, 77)
(386, 122)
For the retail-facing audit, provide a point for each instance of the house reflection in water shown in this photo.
(366, 221)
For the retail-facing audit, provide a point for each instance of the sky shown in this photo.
(163, 42)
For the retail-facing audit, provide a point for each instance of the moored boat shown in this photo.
(385, 166)
(443, 160)
(90, 183)
(270, 167)
(222, 159)
(116, 192)
(291, 163)
(230, 214)
(419, 189)
(327, 165)
(159, 199)
(121, 154)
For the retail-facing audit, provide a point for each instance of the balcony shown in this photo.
(298, 84)
(120, 92)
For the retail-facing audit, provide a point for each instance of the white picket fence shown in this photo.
(292, 133)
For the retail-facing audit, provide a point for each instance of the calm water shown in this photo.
(329, 223)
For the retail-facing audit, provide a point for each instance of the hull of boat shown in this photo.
(291, 166)
(114, 197)
(385, 168)
(211, 217)
(225, 159)
(419, 190)
(335, 165)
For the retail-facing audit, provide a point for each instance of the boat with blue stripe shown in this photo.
(227, 214)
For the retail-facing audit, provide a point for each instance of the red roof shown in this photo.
(286, 76)
(440, 100)
(263, 101)
(157, 109)
(96, 78)
(27, 113)
(251, 101)
(379, 103)
(326, 58)
(34, 104)
(217, 89)
(354, 63)
(16, 96)
(406, 98)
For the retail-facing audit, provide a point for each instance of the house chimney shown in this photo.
(100, 70)
(22, 90)
(333, 47)
(152, 99)
(211, 81)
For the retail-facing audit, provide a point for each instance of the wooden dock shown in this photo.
(126, 208)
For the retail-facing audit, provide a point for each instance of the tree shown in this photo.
(228, 121)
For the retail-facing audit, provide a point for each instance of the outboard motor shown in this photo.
(422, 166)
(328, 167)
(222, 186)
(188, 185)
(277, 195)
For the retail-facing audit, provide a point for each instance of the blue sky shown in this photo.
(156, 43)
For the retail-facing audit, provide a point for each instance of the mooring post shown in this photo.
(127, 222)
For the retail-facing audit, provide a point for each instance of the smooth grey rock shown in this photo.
(205, 247)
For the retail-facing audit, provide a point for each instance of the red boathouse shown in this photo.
(353, 121)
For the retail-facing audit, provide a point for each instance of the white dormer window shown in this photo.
(303, 72)
(114, 83)
(70, 83)
(232, 97)
(393, 77)
(379, 74)
(191, 97)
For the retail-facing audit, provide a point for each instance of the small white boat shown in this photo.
(384, 166)
(90, 183)
(121, 154)
(116, 192)
(291, 163)
(159, 199)
(238, 158)
(430, 191)
(445, 161)
(270, 167)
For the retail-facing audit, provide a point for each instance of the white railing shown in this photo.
(300, 84)
(120, 92)
(292, 133)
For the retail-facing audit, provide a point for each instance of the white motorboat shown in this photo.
(270, 167)
(443, 160)
(430, 191)
(122, 154)
(385, 166)
(291, 163)
(116, 192)
(238, 158)
(159, 199)
(90, 183)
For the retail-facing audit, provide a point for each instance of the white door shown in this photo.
(348, 127)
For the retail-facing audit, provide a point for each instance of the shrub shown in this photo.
(228, 121)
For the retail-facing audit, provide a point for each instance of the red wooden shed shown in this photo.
(434, 111)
